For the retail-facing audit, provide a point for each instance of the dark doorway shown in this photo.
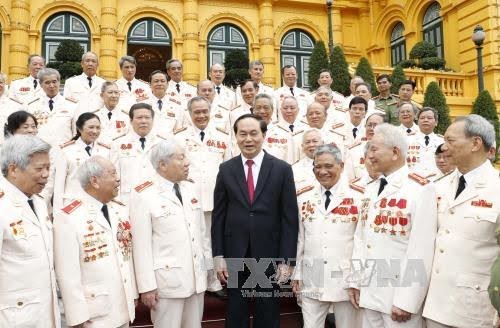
(149, 58)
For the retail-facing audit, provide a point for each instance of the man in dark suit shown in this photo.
(255, 218)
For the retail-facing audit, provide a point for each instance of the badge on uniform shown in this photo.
(124, 238)
(481, 203)
(307, 211)
(17, 229)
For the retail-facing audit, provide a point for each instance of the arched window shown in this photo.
(62, 26)
(433, 28)
(398, 44)
(223, 38)
(149, 41)
(296, 49)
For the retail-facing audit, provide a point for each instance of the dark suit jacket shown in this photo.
(266, 229)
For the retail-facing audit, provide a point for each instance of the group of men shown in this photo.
(201, 187)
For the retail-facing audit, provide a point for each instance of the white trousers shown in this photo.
(314, 313)
(375, 319)
(434, 324)
(213, 284)
(179, 312)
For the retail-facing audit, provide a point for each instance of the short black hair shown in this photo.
(439, 149)
(262, 123)
(358, 100)
(285, 67)
(384, 76)
(244, 82)
(16, 119)
(137, 106)
(157, 72)
(410, 82)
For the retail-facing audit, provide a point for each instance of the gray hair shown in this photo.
(290, 97)
(264, 96)
(255, 63)
(330, 94)
(393, 137)
(90, 53)
(129, 59)
(221, 65)
(45, 72)
(19, 149)
(478, 126)
(309, 131)
(92, 167)
(315, 102)
(329, 149)
(197, 99)
(163, 151)
(30, 57)
(415, 109)
(173, 60)
(106, 84)
(429, 109)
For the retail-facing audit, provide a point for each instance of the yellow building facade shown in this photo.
(200, 32)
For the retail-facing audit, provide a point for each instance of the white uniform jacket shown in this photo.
(93, 260)
(395, 242)
(168, 118)
(113, 128)
(420, 158)
(139, 92)
(301, 95)
(172, 250)
(27, 278)
(88, 98)
(325, 241)
(466, 248)
(303, 174)
(23, 90)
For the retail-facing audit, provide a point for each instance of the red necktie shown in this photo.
(250, 186)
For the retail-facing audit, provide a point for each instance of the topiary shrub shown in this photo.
(432, 63)
(317, 62)
(407, 63)
(485, 106)
(423, 49)
(434, 97)
(340, 72)
(68, 57)
(364, 69)
(236, 64)
(397, 78)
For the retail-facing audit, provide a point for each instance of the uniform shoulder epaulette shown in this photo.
(67, 143)
(357, 188)
(440, 135)
(282, 128)
(143, 186)
(16, 100)
(235, 107)
(338, 133)
(73, 100)
(119, 136)
(394, 95)
(174, 101)
(190, 180)
(430, 175)
(372, 181)
(219, 105)
(95, 110)
(340, 109)
(304, 121)
(124, 111)
(117, 202)
(221, 130)
(303, 190)
(161, 137)
(337, 125)
(72, 206)
(357, 143)
(444, 176)
(420, 179)
(376, 97)
(298, 132)
(143, 81)
(180, 130)
(103, 145)
(33, 101)
(355, 180)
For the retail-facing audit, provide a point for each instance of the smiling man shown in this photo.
(407, 114)
(25, 89)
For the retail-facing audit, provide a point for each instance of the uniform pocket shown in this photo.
(470, 298)
(20, 309)
(97, 298)
(480, 226)
(169, 276)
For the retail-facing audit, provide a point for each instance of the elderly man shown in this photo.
(54, 113)
(328, 211)
(171, 248)
(325, 80)
(223, 95)
(177, 88)
(317, 117)
(422, 145)
(25, 89)
(219, 114)
(394, 241)
(466, 245)
(131, 89)
(207, 147)
(407, 114)
(256, 71)
(85, 88)
(27, 277)
(352, 87)
(93, 251)
(335, 114)
(130, 152)
(289, 76)
(302, 170)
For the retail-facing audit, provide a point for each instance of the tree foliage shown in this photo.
(434, 97)
(317, 62)
(397, 78)
(236, 64)
(425, 55)
(340, 72)
(484, 105)
(364, 69)
(68, 57)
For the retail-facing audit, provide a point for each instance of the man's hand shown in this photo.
(150, 298)
(399, 315)
(354, 297)
(296, 286)
(220, 266)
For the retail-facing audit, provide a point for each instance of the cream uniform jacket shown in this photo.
(131, 161)
(325, 241)
(70, 156)
(280, 143)
(395, 237)
(465, 250)
(168, 118)
(263, 88)
(94, 266)
(139, 92)
(354, 160)
(27, 278)
(187, 91)
(172, 247)
(23, 90)
(88, 98)
(54, 126)
(204, 158)
(303, 174)
(226, 96)
(420, 157)
(301, 95)
(118, 125)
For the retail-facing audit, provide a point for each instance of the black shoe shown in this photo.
(220, 294)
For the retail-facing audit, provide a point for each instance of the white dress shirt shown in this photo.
(257, 164)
